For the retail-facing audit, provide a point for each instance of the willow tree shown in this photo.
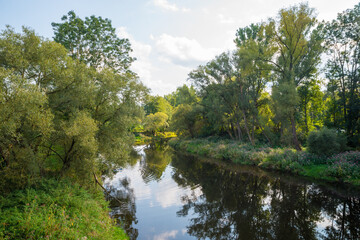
(59, 115)
(298, 39)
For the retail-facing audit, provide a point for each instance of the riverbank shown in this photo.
(142, 139)
(344, 167)
(55, 209)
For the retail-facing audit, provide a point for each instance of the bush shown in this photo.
(325, 142)
(306, 159)
(351, 157)
(56, 210)
(344, 169)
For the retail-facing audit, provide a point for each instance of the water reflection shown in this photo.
(122, 203)
(248, 206)
(154, 164)
(171, 196)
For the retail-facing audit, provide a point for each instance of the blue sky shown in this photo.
(169, 37)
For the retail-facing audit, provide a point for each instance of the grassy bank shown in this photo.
(344, 167)
(56, 210)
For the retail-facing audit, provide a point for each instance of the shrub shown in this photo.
(306, 159)
(352, 157)
(344, 169)
(325, 142)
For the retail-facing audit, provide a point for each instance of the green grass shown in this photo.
(56, 210)
(317, 172)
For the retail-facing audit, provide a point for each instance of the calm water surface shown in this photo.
(165, 195)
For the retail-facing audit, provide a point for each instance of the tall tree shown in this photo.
(343, 69)
(298, 39)
(93, 41)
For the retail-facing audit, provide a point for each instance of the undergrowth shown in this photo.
(56, 210)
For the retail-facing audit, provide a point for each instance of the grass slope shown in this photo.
(56, 210)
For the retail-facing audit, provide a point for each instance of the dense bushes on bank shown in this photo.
(326, 142)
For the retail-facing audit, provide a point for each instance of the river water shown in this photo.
(162, 195)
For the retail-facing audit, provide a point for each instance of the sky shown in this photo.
(169, 38)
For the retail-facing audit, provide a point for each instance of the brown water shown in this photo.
(165, 195)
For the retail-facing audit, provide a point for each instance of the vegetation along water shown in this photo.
(286, 98)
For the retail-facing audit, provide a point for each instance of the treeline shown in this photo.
(288, 76)
(66, 106)
(66, 112)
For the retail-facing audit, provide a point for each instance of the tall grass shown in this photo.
(56, 210)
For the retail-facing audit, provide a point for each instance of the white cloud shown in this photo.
(168, 195)
(164, 4)
(166, 235)
(141, 51)
(225, 20)
(183, 51)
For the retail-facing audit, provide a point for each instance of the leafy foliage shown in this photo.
(342, 39)
(70, 120)
(325, 142)
(157, 122)
(158, 104)
(93, 41)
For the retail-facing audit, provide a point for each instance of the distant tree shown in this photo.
(158, 104)
(186, 120)
(311, 105)
(182, 95)
(155, 123)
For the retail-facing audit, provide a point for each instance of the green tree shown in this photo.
(311, 105)
(93, 41)
(59, 115)
(182, 95)
(298, 40)
(158, 104)
(231, 85)
(343, 68)
(157, 122)
(187, 120)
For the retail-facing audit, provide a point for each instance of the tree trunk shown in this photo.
(306, 122)
(295, 139)
(239, 131)
(247, 129)
(229, 132)
(234, 131)
(263, 131)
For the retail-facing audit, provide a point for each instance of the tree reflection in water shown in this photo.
(236, 202)
(155, 161)
(253, 206)
(122, 204)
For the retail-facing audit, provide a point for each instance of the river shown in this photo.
(162, 195)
